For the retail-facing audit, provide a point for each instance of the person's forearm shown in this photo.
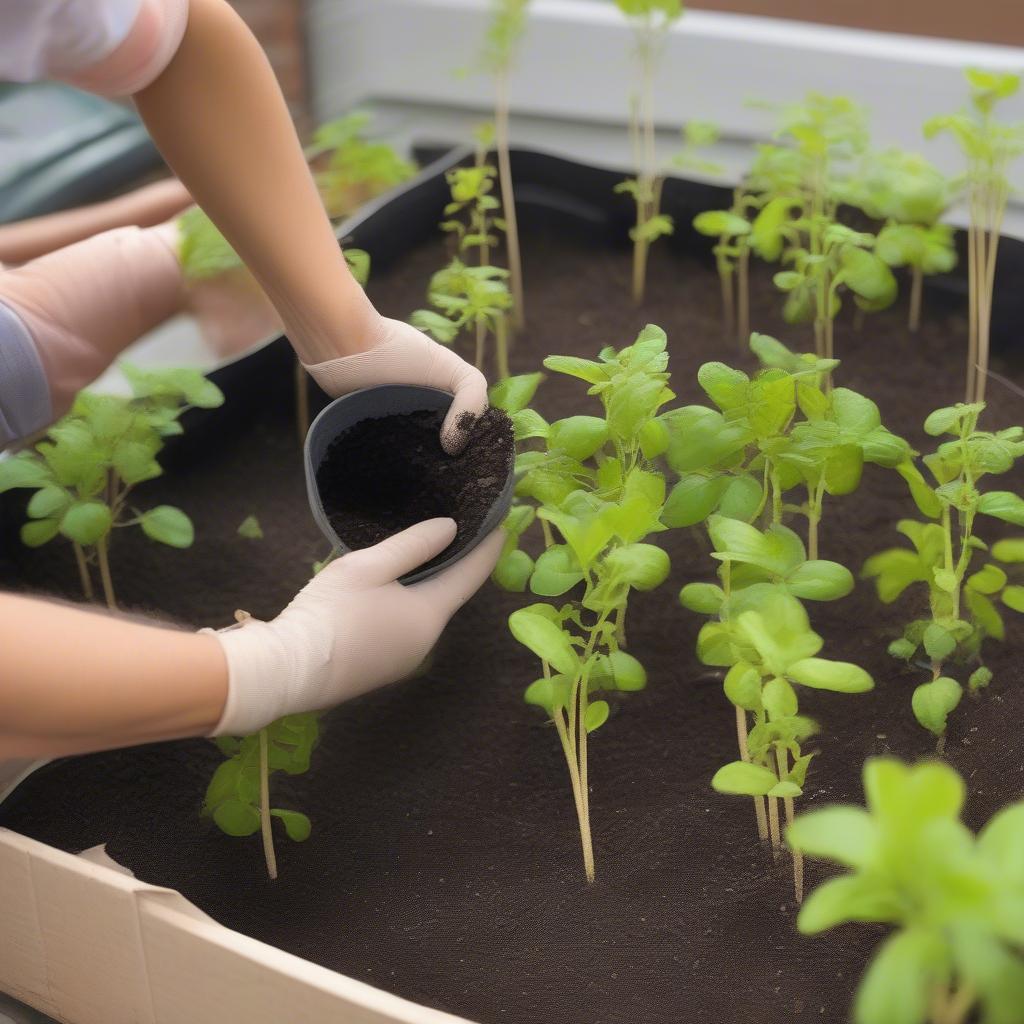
(219, 118)
(75, 680)
(144, 207)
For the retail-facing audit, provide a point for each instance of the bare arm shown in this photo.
(219, 118)
(75, 680)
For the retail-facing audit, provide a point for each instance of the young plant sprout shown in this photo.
(989, 148)
(466, 296)
(508, 21)
(238, 796)
(599, 500)
(356, 168)
(955, 900)
(86, 469)
(650, 20)
(249, 528)
(911, 195)
(962, 607)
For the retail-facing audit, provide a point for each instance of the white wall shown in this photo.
(571, 86)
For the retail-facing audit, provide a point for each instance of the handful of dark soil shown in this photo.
(384, 475)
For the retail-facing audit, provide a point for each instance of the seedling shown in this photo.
(250, 529)
(962, 607)
(465, 296)
(989, 148)
(954, 899)
(357, 169)
(86, 469)
(599, 500)
(238, 796)
(911, 195)
(650, 21)
(504, 32)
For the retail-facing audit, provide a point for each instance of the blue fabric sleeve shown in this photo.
(24, 392)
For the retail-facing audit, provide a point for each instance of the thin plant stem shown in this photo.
(973, 250)
(728, 298)
(741, 736)
(508, 199)
(773, 826)
(83, 572)
(108, 583)
(501, 346)
(743, 298)
(301, 401)
(916, 289)
(620, 624)
(545, 527)
(265, 820)
(798, 858)
(574, 778)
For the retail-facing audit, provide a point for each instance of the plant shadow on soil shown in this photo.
(444, 863)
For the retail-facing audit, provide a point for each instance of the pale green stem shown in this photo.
(105, 577)
(266, 821)
(83, 572)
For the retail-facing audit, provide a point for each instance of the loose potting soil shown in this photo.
(384, 475)
(444, 863)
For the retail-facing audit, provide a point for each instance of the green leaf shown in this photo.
(654, 439)
(1003, 505)
(38, 532)
(785, 789)
(846, 835)
(923, 495)
(578, 436)
(1001, 841)
(779, 698)
(778, 550)
(741, 499)
(626, 671)
(249, 528)
(703, 598)
(715, 223)
(898, 985)
(168, 525)
(939, 643)
(23, 470)
(693, 499)
(236, 818)
(555, 572)
(526, 423)
(743, 778)
(989, 579)
(134, 462)
(513, 571)
(903, 649)
(515, 393)
(48, 502)
(932, 702)
(545, 639)
(296, 824)
(820, 580)
(726, 387)
(742, 686)
(850, 898)
(584, 369)
(549, 693)
(86, 522)
(822, 674)
(868, 277)
(979, 679)
(642, 566)
(596, 716)
(1013, 597)
(1010, 550)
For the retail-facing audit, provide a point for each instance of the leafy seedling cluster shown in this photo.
(470, 293)
(599, 499)
(86, 469)
(989, 147)
(963, 605)
(954, 900)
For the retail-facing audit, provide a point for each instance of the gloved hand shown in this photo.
(400, 354)
(351, 629)
(83, 305)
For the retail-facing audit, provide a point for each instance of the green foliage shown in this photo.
(504, 31)
(963, 605)
(357, 168)
(249, 528)
(85, 470)
(202, 250)
(233, 795)
(590, 482)
(955, 899)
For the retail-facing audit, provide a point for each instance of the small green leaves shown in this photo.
(626, 672)
(1003, 505)
(580, 437)
(23, 471)
(596, 715)
(703, 598)
(1013, 597)
(39, 532)
(845, 835)
(822, 674)
(555, 572)
(296, 824)
(513, 571)
(249, 528)
(236, 818)
(901, 979)
(716, 223)
(743, 778)
(168, 525)
(86, 522)
(534, 627)
(641, 566)
(932, 702)
(550, 693)
(742, 686)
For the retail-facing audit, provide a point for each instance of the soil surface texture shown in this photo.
(444, 863)
(384, 475)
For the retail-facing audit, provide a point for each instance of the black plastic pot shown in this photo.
(374, 403)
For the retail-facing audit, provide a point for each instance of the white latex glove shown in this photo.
(400, 354)
(351, 629)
